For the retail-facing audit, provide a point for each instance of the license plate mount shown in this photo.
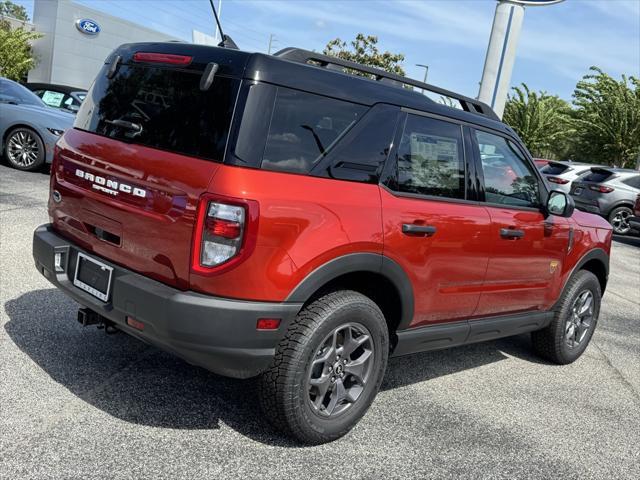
(93, 277)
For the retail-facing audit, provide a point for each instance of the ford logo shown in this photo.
(88, 27)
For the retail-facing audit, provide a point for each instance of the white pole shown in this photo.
(501, 53)
(219, 18)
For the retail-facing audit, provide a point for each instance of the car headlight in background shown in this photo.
(56, 131)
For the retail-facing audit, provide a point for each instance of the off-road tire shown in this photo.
(283, 391)
(550, 342)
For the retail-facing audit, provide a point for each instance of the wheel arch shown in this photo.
(620, 203)
(595, 261)
(374, 275)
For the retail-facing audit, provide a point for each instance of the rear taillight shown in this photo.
(225, 233)
(559, 181)
(600, 188)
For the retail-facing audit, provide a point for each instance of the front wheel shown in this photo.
(574, 321)
(619, 220)
(24, 149)
(327, 369)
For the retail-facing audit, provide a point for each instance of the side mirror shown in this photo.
(560, 204)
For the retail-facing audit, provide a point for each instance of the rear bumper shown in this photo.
(590, 206)
(216, 333)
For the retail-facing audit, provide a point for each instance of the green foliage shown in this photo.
(16, 58)
(541, 120)
(364, 50)
(607, 118)
(10, 9)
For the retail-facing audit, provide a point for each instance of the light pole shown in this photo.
(426, 71)
(501, 52)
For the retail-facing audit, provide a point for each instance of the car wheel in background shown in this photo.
(619, 220)
(24, 149)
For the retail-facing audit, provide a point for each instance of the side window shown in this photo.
(633, 181)
(431, 158)
(361, 154)
(304, 127)
(508, 177)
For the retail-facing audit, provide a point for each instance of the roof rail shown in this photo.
(305, 56)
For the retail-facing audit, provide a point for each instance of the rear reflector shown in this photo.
(268, 323)
(600, 188)
(132, 322)
(162, 58)
(560, 181)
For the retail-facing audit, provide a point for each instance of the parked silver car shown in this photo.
(28, 128)
(561, 174)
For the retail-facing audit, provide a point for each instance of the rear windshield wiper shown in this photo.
(135, 128)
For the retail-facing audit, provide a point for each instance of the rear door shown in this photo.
(527, 246)
(146, 142)
(431, 226)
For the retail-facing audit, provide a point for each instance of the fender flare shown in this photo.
(595, 254)
(359, 262)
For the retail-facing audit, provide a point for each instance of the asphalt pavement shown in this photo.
(78, 403)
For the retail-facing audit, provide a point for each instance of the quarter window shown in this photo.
(430, 158)
(304, 127)
(508, 177)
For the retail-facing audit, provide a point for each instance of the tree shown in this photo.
(541, 120)
(16, 58)
(607, 118)
(364, 50)
(10, 9)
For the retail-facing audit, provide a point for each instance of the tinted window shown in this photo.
(14, 92)
(164, 108)
(597, 176)
(361, 154)
(508, 177)
(633, 181)
(430, 158)
(554, 168)
(304, 127)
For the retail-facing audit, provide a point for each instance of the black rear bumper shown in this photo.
(216, 333)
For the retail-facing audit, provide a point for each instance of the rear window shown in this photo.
(597, 176)
(304, 127)
(554, 169)
(161, 108)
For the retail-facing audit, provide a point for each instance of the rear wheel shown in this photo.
(24, 149)
(619, 220)
(574, 321)
(328, 368)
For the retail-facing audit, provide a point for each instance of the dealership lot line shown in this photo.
(77, 403)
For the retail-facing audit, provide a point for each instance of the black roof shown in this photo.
(316, 73)
(52, 86)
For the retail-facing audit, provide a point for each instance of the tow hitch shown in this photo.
(87, 317)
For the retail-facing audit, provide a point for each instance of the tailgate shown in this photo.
(146, 143)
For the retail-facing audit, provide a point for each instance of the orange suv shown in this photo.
(279, 216)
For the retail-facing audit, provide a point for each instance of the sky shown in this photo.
(557, 46)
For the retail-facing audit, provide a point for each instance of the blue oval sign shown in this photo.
(87, 26)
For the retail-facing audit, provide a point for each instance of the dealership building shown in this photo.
(76, 40)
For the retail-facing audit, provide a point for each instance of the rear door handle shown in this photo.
(420, 230)
(511, 233)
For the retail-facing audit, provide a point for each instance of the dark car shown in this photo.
(59, 96)
(610, 193)
(278, 216)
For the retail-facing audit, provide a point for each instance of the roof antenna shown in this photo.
(226, 40)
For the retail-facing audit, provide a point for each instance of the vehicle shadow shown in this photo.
(140, 384)
(633, 241)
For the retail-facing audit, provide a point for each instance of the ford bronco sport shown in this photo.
(281, 217)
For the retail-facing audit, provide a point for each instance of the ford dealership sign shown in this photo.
(88, 27)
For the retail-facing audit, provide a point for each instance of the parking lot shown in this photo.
(78, 403)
